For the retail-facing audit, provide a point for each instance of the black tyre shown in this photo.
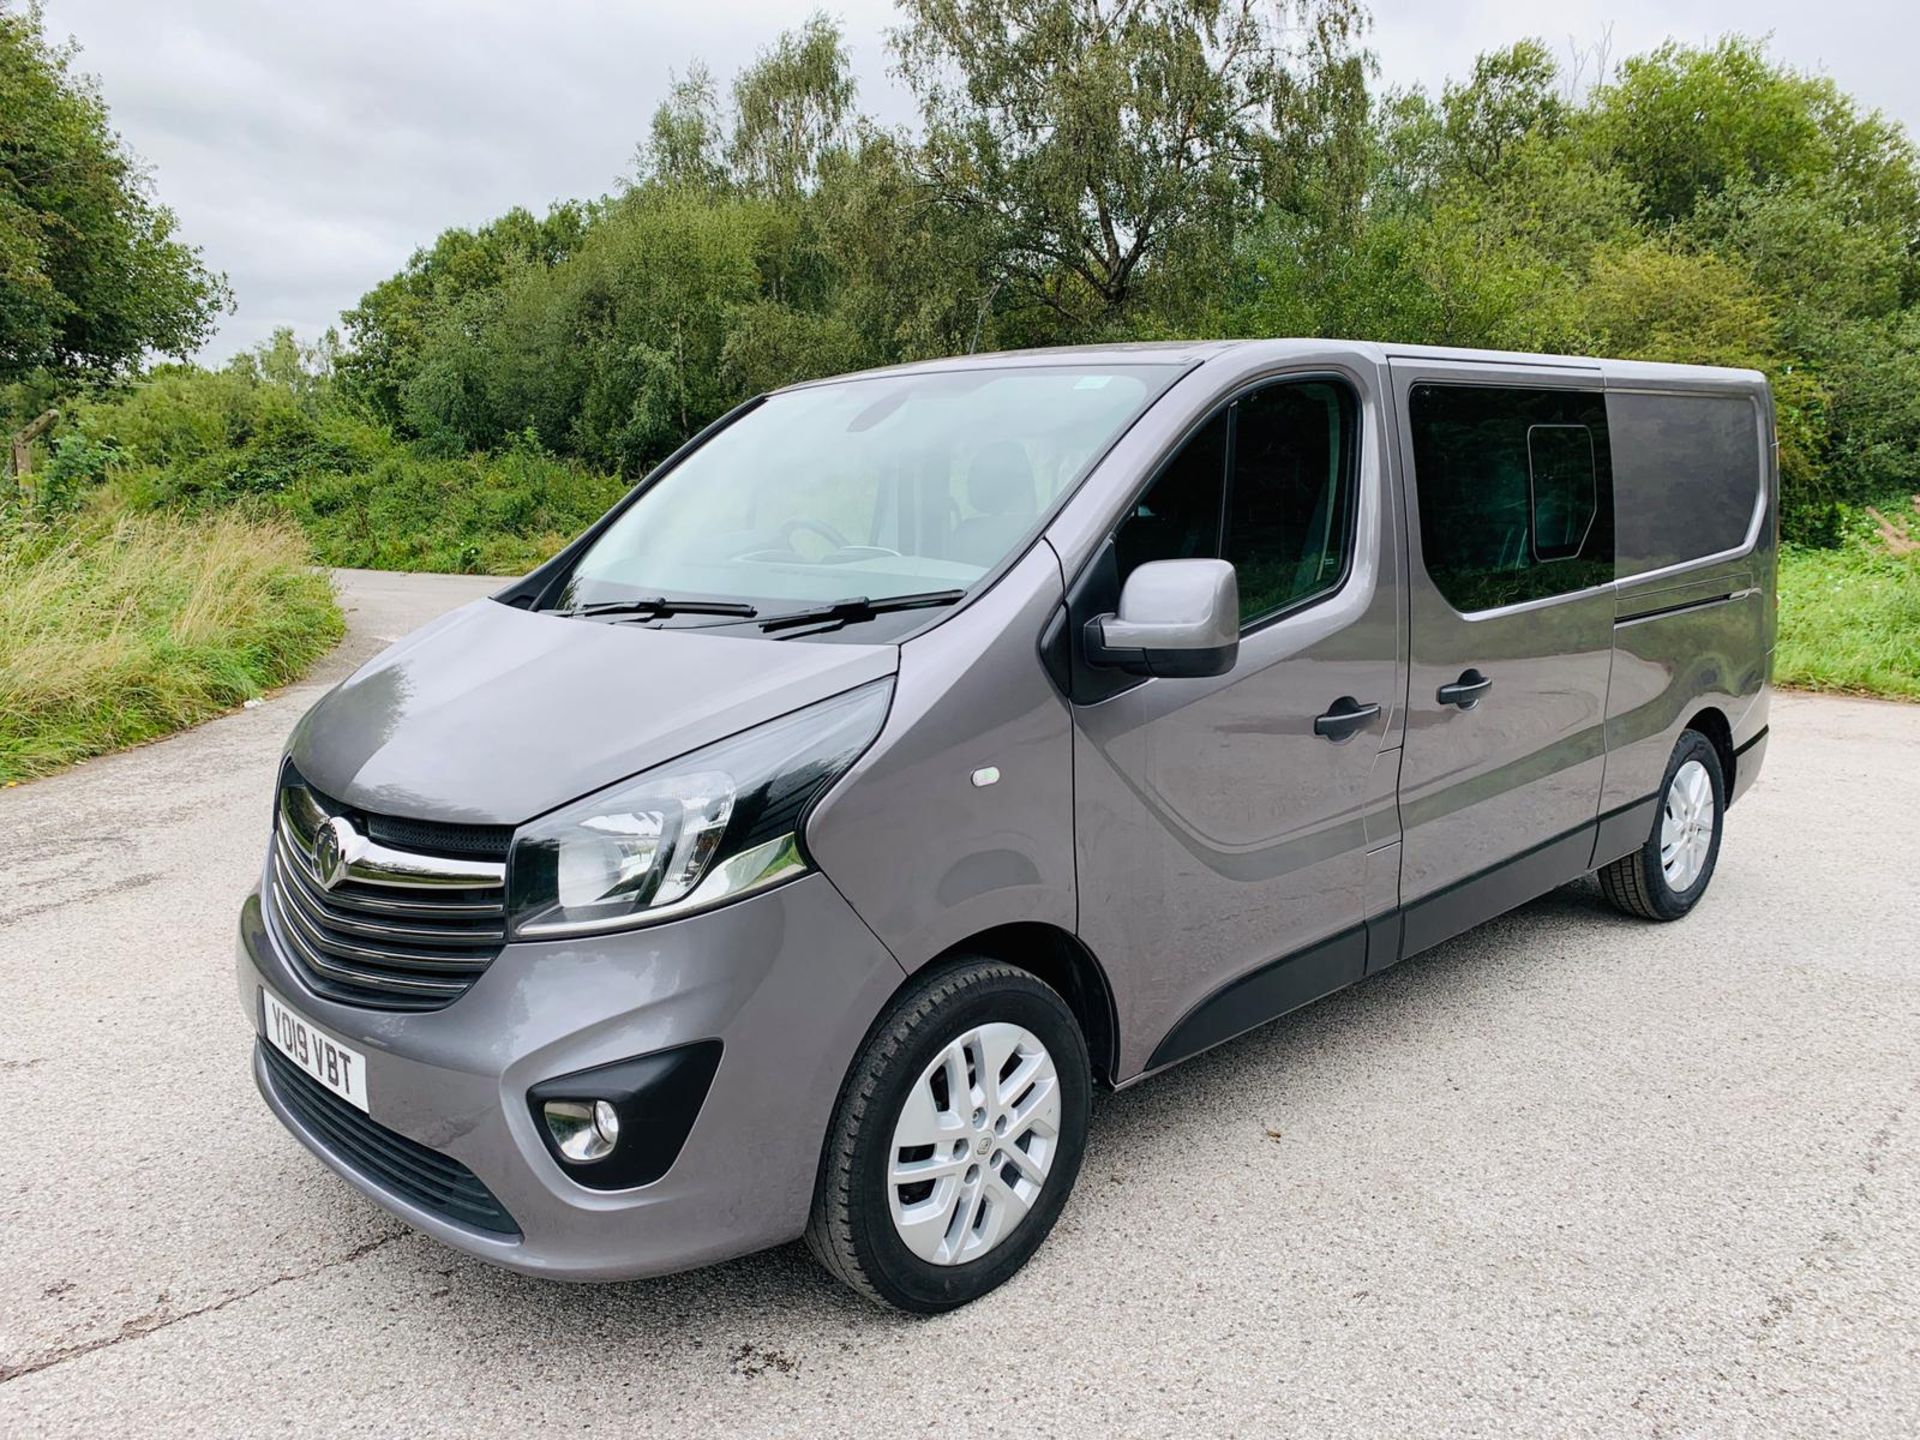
(1666, 877)
(956, 1139)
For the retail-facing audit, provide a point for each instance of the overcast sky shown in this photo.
(310, 148)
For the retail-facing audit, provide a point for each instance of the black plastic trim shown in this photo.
(1056, 652)
(1747, 745)
(1266, 994)
(1299, 978)
(1494, 891)
(387, 1159)
(1663, 610)
(658, 1096)
(1385, 933)
(1095, 591)
(1623, 830)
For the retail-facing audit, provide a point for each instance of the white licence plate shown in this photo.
(340, 1068)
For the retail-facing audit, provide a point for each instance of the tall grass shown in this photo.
(1850, 620)
(116, 628)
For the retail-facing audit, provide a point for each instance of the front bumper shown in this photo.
(788, 981)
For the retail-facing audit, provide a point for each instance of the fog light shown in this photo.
(606, 1120)
(584, 1130)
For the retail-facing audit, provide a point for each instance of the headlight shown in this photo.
(694, 832)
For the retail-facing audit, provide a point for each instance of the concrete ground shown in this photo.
(1569, 1174)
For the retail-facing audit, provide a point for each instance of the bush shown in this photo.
(494, 515)
(121, 628)
(76, 465)
(199, 441)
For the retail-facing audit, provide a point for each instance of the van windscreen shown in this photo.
(886, 486)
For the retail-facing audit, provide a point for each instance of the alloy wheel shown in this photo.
(1686, 830)
(974, 1143)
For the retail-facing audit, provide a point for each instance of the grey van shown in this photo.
(914, 751)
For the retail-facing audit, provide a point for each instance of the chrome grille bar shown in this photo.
(376, 864)
(396, 929)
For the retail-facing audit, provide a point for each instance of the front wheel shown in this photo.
(1666, 877)
(956, 1139)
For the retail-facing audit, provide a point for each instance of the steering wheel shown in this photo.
(819, 527)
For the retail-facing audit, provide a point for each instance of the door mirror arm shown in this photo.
(1178, 619)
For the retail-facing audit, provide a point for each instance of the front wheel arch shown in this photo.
(1059, 959)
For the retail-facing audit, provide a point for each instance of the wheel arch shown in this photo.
(1712, 722)
(1057, 958)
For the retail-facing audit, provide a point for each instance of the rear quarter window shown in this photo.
(1687, 475)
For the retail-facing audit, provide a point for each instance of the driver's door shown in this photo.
(1229, 857)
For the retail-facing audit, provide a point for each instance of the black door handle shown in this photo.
(1466, 692)
(1345, 718)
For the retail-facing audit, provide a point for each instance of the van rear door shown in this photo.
(1510, 567)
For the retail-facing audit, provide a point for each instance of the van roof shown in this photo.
(1194, 352)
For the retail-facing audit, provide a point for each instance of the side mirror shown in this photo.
(1178, 618)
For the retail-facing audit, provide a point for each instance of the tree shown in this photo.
(1688, 124)
(1097, 136)
(790, 107)
(396, 322)
(683, 145)
(92, 276)
(1512, 96)
(911, 276)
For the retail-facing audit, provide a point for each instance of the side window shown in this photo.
(1688, 472)
(1179, 516)
(1268, 483)
(1290, 495)
(1560, 464)
(1515, 492)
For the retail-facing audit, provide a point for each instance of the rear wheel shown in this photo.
(1666, 877)
(956, 1139)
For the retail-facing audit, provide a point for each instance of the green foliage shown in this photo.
(487, 515)
(1850, 620)
(283, 442)
(684, 139)
(416, 314)
(77, 464)
(1686, 125)
(91, 273)
(1512, 100)
(1106, 145)
(790, 107)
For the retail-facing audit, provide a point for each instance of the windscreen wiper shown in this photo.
(660, 606)
(859, 607)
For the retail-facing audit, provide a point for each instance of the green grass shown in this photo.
(198, 443)
(117, 629)
(1850, 621)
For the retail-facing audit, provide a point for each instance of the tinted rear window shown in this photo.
(1686, 473)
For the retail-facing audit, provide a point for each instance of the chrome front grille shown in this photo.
(368, 924)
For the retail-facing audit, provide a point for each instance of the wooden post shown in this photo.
(20, 463)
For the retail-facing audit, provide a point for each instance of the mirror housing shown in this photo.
(1178, 619)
